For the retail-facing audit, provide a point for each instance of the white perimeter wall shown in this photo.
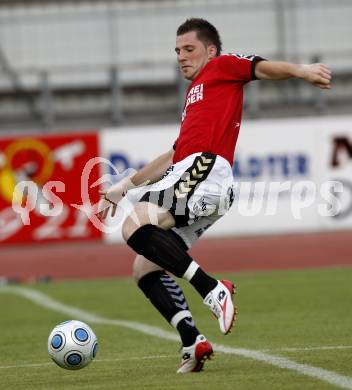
(298, 155)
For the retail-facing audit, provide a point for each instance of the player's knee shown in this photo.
(127, 230)
(138, 272)
(142, 267)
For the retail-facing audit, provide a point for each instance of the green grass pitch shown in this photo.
(304, 316)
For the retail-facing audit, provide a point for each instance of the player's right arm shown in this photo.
(150, 173)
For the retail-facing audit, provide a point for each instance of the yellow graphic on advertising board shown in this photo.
(8, 174)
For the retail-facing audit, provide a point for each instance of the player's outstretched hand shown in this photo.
(110, 198)
(105, 206)
(318, 75)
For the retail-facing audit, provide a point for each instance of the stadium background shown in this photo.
(80, 79)
(85, 78)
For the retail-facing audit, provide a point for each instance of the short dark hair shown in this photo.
(206, 32)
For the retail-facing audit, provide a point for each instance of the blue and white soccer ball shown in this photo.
(72, 345)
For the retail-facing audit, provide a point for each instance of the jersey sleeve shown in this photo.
(239, 67)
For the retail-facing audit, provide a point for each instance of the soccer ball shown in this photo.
(72, 345)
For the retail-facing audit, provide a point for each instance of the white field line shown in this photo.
(26, 365)
(43, 300)
(157, 357)
(302, 349)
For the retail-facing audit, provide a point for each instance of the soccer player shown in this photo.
(192, 182)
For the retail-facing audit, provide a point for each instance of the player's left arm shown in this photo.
(317, 74)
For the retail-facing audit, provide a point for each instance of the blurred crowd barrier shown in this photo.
(103, 62)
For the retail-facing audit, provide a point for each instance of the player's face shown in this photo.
(192, 54)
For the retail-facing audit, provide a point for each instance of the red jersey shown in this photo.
(212, 113)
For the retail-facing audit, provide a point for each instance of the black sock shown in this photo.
(188, 331)
(167, 297)
(162, 248)
(203, 283)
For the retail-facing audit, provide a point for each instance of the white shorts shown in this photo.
(197, 191)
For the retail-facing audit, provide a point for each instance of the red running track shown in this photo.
(98, 260)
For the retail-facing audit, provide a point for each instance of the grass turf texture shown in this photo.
(277, 310)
